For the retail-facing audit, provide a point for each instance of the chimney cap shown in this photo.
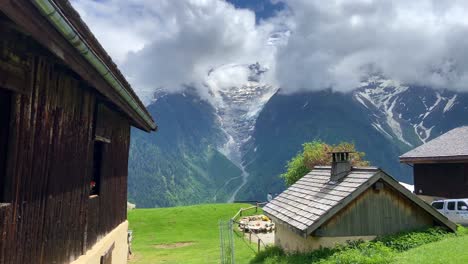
(340, 156)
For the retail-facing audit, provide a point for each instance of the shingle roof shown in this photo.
(302, 204)
(449, 146)
(314, 199)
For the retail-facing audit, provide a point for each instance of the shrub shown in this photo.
(380, 251)
(318, 153)
(365, 253)
(271, 252)
(275, 255)
(462, 230)
(406, 241)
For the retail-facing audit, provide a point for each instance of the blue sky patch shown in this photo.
(262, 8)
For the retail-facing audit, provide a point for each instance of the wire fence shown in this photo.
(226, 242)
(227, 230)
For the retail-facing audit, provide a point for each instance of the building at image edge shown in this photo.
(65, 118)
(341, 203)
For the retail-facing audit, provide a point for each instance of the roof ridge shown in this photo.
(451, 145)
(330, 199)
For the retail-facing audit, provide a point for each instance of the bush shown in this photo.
(462, 230)
(380, 251)
(365, 253)
(318, 153)
(268, 253)
(275, 255)
(406, 241)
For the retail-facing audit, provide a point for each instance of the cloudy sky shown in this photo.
(306, 44)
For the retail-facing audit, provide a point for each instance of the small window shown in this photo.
(95, 184)
(101, 141)
(451, 206)
(107, 257)
(438, 205)
(462, 206)
(5, 112)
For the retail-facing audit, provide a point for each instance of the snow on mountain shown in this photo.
(383, 95)
(239, 94)
(450, 103)
(404, 112)
(238, 104)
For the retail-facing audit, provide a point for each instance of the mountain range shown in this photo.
(235, 145)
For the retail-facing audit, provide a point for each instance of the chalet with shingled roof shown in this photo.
(440, 167)
(340, 203)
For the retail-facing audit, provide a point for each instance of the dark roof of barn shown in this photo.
(314, 199)
(74, 17)
(451, 146)
(32, 21)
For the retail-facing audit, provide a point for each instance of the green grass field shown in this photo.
(432, 246)
(449, 251)
(182, 235)
(190, 234)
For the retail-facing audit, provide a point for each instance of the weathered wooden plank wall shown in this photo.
(50, 217)
(377, 213)
(448, 180)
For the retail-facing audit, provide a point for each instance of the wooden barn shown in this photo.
(65, 118)
(440, 167)
(336, 204)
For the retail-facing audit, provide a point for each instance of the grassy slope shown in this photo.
(451, 250)
(197, 224)
(415, 247)
(179, 165)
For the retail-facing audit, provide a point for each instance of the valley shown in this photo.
(245, 134)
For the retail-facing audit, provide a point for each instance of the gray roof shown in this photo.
(314, 195)
(452, 145)
(314, 199)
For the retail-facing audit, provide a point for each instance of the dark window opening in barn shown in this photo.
(466, 174)
(451, 206)
(5, 108)
(101, 141)
(95, 184)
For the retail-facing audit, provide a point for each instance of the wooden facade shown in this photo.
(50, 121)
(319, 211)
(448, 180)
(377, 212)
(440, 166)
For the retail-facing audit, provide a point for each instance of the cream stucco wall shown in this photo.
(118, 236)
(290, 241)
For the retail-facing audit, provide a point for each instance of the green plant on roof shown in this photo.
(316, 153)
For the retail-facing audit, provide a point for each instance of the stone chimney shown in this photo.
(341, 165)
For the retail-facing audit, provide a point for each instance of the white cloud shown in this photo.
(121, 26)
(171, 44)
(336, 43)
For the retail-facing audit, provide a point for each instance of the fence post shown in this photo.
(258, 245)
(250, 237)
(221, 241)
(231, 241)
(256, 208)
